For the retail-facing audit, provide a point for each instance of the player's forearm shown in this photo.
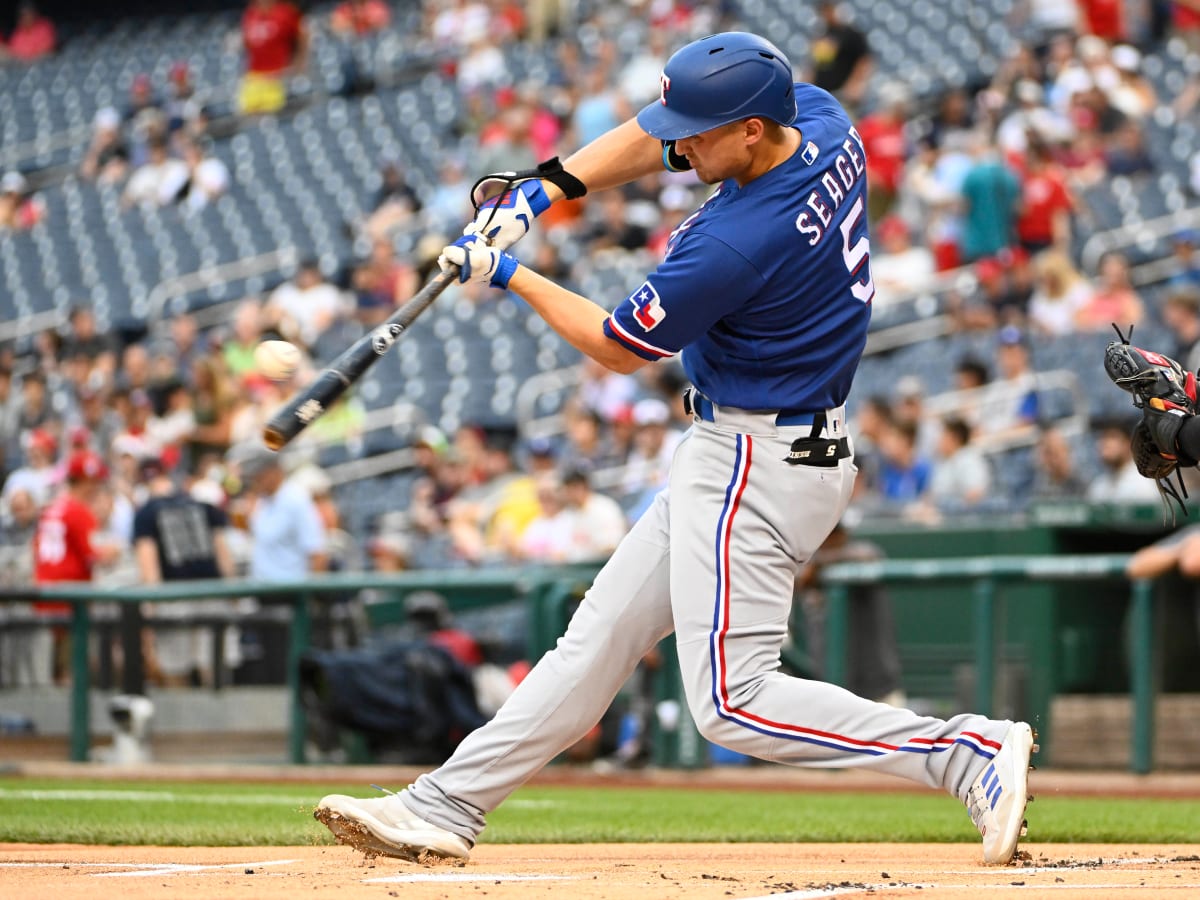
(578, 320)
(617, 157)
(1151, 562)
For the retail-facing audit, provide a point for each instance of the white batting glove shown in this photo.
(506, 217)
(477, 262)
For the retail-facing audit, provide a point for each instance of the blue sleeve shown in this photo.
(1028, 411)
(700, 282)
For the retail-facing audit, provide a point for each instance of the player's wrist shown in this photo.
(506, 267)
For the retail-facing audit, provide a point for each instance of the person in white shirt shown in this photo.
(159, 181)
(305, 306)
(1058, 295)
(961, 476)
(595, 522)
(1119, 482)
(209, 177)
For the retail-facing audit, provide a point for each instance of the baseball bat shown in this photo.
(310, 403)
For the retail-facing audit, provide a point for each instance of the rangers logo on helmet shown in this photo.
(664, 85)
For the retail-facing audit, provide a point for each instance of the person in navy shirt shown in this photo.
(766, 293)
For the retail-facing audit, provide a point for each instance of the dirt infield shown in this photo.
(611, 871)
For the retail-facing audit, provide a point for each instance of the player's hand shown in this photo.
(477, 262)
(505, 212)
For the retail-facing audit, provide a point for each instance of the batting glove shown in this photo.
(506, 217)
(477, 262)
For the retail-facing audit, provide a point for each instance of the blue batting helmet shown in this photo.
(717, 80)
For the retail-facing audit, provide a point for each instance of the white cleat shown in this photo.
(997, 798)
(383, 826)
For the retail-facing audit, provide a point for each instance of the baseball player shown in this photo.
(766, 293)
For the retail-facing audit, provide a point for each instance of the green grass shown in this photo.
(106, 812)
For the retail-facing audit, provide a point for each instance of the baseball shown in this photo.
(277, 360)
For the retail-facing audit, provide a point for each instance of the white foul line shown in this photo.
(819, 893)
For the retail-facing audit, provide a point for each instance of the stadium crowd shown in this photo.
(981, 178)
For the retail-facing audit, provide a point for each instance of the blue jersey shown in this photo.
(766, 289)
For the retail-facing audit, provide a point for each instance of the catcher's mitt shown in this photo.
(1166, 394)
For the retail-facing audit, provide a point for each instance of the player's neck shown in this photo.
(773, 154)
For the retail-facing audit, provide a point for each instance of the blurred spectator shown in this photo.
(1104, 18)
(33, 410)
(904, 475)
(145, 118)
(136, 439)
(970, 372)
(135, 367)
(32, 38)
(275, 38)
(898, 267)
(486, 519)
(160, 180)
(20, 209)
(588, 447)
(1046, 202)
(1060, 293)
(612, 227)
(18, 522)
(65, 549)
(1113, 299)
(213, 404)
(593, 523)
(841, 57)
(395, 204)
(654, 444)
(1009, 407)
(872, 663)
(382, 282)
(285, 525)
(482, 67)
(178, 538)
(543, 539)
(1185, 21)
(1186, 259)
(1054, 475)
(106, 160)
(1030, 122)
(961, 476)
(605, 391)
(909, 408)
(639, 78)
(883, 139)
(991, 195)
(38, 476)
(208, 177)
(1181, 315)
(95, 415)
(1119, 480)
(355, 18)
(238, 349)
(871, 421)
(84, 338)
(449, 205)
(599, 107)
(1127, 153)
(182, 103)
(1133, 95)
(301, 309)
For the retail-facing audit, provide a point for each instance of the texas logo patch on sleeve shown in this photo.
(647, 308)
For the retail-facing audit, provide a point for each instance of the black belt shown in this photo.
(813, 450)
(696, 404)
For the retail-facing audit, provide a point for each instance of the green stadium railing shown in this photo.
(983, 574)
(549, 593)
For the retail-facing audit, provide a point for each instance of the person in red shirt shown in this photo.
(882, 134)
(63, 548)
(354, 18)
(276, 42)
(31, 39)
(1104, 18)
(1046, 202)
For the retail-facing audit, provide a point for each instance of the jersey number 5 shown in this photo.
(857, 255)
